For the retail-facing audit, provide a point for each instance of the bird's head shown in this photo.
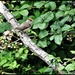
(30, 20)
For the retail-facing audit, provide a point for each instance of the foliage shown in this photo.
(52, 30)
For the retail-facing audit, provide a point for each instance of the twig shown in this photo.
(6, 73)
(70, 60)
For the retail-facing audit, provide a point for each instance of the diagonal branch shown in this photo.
(26, 39)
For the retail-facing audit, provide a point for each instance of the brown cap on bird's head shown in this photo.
(30, 19)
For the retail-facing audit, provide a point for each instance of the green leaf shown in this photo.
(17, 55)
(70, 67)
(73, 25)
(49, 70)
(20, 50)
(39, 4)
(59, 31)
(37, 13)
(72, 12)
(59, 14)
(33, 32)
(47, 5)
(48, 16)
(52, 37)
(66, 27)
(65, 19)
(58, 39)
(73, 18)
(44, 18)
(24, 56)
(11, 6)
(42, 43)
(4, 26)
(55, 25)
(37, 21)
(51, 57)
(36, 26)
(28, 68)
(3, 61)
(72, 51)
(62, 7)
(25, 6)
(61, 67)
(20, 21)
(13, 65)
(66, 13)
(15, 13)
(8, 26)
(6, 64)
(42, 26)
(42, 69)
(51, 5)
(53, 46)
(16, 7)
(24, 12)
(26, 51)
(43, 34)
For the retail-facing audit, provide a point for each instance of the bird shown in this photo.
(25, 26)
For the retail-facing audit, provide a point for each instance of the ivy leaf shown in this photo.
(35, 26)
(59, 14)
(25, 6)
(62, 7)
(39, 4)
(42, 21)
(51, 57)
(42, 26)
(51, 5)
(3, 61)
(37, 13)
(24, 57)
(58, 39)
(42, 69)
(13, 65)
(33, 32)
(43, 34)
(37, 20)
(26, 51)
(47, 5)
(42, 43)
(66, 27)
(52, 37)
(15, 13)
(61, 67)
(72, 12)
(64, 19)
(70, 67)
(4, 26)
(24, 12)
(73, 25)
(55, 25)
(49, 70)
(72, 51)
(20, 50)
(48, 16)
